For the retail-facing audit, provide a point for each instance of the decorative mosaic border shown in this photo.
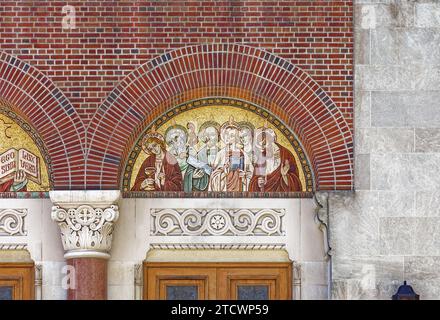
(212, 195)
(41, 147)
(24, 195)
(215, 101)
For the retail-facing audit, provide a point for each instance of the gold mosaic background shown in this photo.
(220, 114)
(20, 139)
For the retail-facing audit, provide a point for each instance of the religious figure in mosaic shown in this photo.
(160, 171)
(246, 140)
(17, 184)
(232, 163)
(201, 162)
(176, 138)
(274, 169)
(21, 168)
(192, 137)
(217, 149)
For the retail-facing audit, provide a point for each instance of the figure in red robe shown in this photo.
(17, 184)
(160, 171)
(275, 169)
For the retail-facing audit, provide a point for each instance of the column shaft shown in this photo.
(86, 220)
(90, 279)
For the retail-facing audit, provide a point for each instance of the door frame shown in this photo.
(21, 276)
(216, 271)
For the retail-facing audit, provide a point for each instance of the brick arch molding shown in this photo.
(220, 70)
(33, 96)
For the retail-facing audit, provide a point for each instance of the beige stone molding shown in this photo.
(13, 246)
(297, 276)
(86, 220)
(38, 281)
(218, 246)
(138, 281)
(321, 218)
(16, 253)
(12, 222)
(210, 255)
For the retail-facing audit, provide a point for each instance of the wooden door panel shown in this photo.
(255, 289)
(20, 278)
(276, 278)
(158, 278)
(183, 289)
(222, 281)
(14, 285)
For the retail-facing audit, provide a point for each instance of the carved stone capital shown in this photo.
(86, 220)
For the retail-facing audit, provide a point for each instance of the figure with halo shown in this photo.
(275, 167)
(160, 171)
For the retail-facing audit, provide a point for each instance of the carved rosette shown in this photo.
(86, 231)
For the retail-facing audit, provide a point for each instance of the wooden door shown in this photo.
(16, 281)
(175, 281)
(222, 281)
(255, 281)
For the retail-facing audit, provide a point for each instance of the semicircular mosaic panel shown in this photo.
(217, 146)
(23, 157)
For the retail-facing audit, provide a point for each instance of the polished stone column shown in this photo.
(91, 279)
(86, 220)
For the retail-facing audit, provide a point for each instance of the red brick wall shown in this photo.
(114, 38)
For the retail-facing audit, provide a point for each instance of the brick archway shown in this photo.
(222, 70)
(33, 96)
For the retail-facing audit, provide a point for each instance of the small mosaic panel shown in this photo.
(252, 292)
(6, 293)
(23, 158)
(217, 146)
(182, 293)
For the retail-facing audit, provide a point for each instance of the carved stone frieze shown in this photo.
(13, 246)
(217, 222)
(217, 246)
(12, 222)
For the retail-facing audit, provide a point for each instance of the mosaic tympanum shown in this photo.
(22, 166)
(217, 146)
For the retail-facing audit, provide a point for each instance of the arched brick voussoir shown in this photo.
(225, 70)
(34, 97)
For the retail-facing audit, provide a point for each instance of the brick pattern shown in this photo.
(298, 56)
(34, 97)
(113, 38)
(221, 70)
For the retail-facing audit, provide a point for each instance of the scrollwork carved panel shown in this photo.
(12, 222)
(217, 222)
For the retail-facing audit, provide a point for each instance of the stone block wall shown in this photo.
(389, 229)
